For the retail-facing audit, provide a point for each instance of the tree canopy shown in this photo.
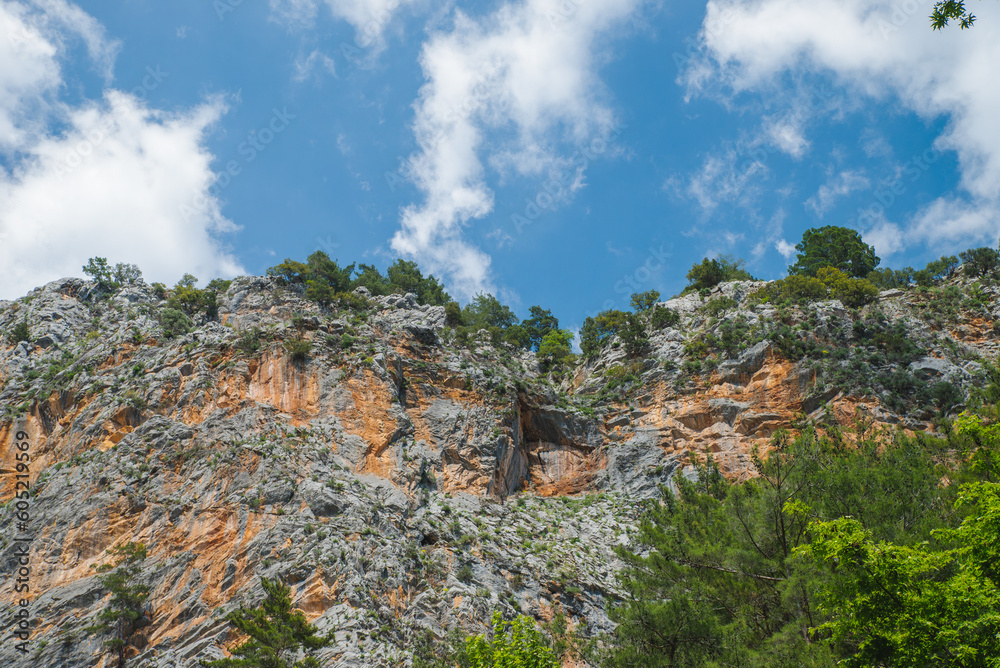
(946, 11)
(837, 247)
(127, 610)
(276, 634)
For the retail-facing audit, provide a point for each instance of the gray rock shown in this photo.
(322, 501)
(933, 368)
(749, 363)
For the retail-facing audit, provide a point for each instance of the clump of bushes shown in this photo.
(327, 282)
(174, 322)
(298, 349)
(662, 317)
(19, 333)
(829, 283)
(709, 273)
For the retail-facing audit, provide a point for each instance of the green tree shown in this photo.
(632, 334)
(716, 577)
(19, 333)
(518, 337)
(126, 612)
(127, 274)
(643, 301)
(405, 276)
(837, 247)
(852, 292)
(598, 332)
(980, 262)
(663, 317)
(516, 644)
(289, 270)
(102, 273)
(709, 273)
(951, 10)
(538, 325)
(486, 311)
(555, 348)
(277, 634)
(368, 276)
(453, 315)
(915, 606)
(174, 323)
(320, 268)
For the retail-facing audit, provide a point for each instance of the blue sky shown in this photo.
(555, 152)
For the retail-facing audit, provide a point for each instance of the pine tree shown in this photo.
(276, 634)
(126, 613)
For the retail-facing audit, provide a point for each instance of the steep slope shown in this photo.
(399, 482)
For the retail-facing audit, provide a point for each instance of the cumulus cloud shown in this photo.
(788, 137)
(877, 49)
(528, 70)
(886, 238)
(111, 181)
(786, 249)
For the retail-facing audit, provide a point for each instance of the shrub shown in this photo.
(793, 289)
(250, 341)
(351, 301)
(453, 315)
(555, 349)
(717, 306)
(464, 573)
(516, 643)
(853, 292)
(709, 273)
(19, 333)
(299, 349)
(887, 279)
(663, 317)
(174, 322)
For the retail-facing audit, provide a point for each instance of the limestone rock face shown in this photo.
(398, 481)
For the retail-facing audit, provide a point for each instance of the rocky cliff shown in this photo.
(402, 483)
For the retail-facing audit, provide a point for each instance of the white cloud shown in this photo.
(110, 182)
(886, 237)
(841, 185)
(877, 50)
(370, 18)
(530, 69)
(788, 137)
(728, 177)
(317, 60)
(785, 248)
